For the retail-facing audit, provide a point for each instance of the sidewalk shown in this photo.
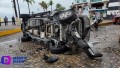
(9, 26)
(105, 22)
(9, 29)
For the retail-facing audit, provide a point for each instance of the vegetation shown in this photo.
(44, 5)
(51, 3)
(59, 7)
(28, 3)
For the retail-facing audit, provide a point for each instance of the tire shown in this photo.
(85, 23)
(68, 19)
(25, 38)
(58, 50)
(24, 16)
(114, 23)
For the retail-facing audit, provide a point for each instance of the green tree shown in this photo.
(51, 3)
(59, 7)
(28, 3)
(44, 5)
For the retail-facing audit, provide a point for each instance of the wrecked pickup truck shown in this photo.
(60, 31)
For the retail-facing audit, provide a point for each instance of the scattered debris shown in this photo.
(38, 49)
(21, 50)
(50, 59)
(10, 46)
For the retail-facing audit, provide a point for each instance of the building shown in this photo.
(97, 7)
(113, 7)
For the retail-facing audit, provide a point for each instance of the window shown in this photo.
(32, 23)
(81, 1)
(37, 22)
(84, 0)
(96, 0)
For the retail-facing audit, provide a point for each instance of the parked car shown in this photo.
(116, 20)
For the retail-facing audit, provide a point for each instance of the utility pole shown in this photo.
(14, 3)
(18, 7)
(17, 19)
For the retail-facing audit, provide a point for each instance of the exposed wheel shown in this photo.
(61, 48)
(66, 17)
(25, 38)
(114, 23)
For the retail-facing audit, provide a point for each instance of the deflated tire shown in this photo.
(58, 50)
(25, 39)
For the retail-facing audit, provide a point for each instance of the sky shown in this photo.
(6, 8)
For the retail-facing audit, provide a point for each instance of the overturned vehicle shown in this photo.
(60, 31)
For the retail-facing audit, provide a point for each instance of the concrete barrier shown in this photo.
(10, 31)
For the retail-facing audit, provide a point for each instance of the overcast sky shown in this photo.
(7, 10)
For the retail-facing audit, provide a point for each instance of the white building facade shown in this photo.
(113, 7)
(95, 7)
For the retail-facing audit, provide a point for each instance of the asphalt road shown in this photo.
(105, 40)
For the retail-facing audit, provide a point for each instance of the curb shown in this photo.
(105, 24)
(11, 31)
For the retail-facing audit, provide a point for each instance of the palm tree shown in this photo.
(51, 3)
(46, 6)
(29, 2)
(18, 7)
(59, 7)
(14, 3)
(42, 4)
